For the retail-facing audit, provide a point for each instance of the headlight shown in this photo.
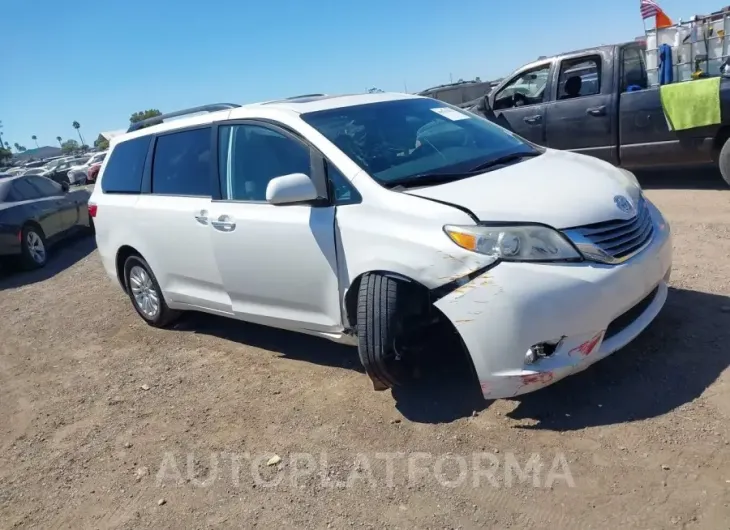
(629, 175)
(514, 243)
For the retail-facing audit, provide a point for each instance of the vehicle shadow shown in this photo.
(447, 388)
(693, 178)
(61, 256)
(290, 344)
(672, 363)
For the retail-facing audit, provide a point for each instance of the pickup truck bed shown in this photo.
(613, 114)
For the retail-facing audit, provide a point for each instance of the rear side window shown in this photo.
(123, 172)
(580, 77)
(181, 165)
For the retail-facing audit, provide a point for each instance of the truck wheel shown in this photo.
(724, 161)
(379, 324)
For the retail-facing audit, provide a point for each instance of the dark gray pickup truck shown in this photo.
(597, 102)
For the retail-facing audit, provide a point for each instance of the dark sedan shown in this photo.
(35, 212)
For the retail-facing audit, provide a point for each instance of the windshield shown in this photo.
(410, 138)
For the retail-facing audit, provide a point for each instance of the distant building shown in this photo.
(108, 135)
(38, 153)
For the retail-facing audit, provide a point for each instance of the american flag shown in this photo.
(649, 8)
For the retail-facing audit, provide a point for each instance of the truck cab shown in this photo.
(598, 102)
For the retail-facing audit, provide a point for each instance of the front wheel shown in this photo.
(379, 327)
(145, 293)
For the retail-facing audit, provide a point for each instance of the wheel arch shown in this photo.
(353, 290)
(124, 252)
(721, 136)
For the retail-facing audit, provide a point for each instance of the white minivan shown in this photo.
(370, 219)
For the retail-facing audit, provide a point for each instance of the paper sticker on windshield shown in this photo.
(453, 115)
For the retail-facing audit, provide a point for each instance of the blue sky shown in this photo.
(97, 62)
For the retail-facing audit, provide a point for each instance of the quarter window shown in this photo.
(634, 75)
(123, 172)
(181, 165)
(250, 156)
(579, 77)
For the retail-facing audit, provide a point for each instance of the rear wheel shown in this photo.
(724, 161)
(145, 293)
(33, 247)
(380, 328)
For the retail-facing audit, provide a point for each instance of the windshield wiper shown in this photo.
(427, 179)
(506, 159)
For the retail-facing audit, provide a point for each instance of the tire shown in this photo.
(724, 161)
(33, 247)
(136, 269)
(378, 326)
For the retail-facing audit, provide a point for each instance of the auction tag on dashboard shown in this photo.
(453, 115)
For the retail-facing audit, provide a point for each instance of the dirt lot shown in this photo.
(105, 422)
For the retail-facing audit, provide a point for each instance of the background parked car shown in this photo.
(93, 172)
(60, 172)
(79, 174)
(36, 212)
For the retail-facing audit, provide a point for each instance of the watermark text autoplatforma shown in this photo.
(381, 469)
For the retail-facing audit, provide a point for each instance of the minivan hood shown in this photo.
(557, 188)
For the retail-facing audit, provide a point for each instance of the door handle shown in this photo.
(202, 217)
(224, 224)
(597, 111)
(533, 120)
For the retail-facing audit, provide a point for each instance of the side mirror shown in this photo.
(291, 189)
(65, 186)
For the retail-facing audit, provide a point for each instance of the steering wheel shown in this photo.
(520, 99)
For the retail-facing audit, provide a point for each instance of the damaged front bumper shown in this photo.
(590, 310)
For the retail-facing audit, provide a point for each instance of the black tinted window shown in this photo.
(46, 187)
(181, 165)
(579, 77)
(22, 190)
(123, 172)
(251, 155)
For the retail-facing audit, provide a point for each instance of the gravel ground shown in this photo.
(108, 423)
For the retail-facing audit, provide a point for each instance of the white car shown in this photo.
(79, 173)
(330, 215)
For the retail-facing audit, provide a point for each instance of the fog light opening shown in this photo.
(542, 350)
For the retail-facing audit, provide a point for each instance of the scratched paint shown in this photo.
(587, 347)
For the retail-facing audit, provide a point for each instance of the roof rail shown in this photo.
(306, 96)
(156, 120)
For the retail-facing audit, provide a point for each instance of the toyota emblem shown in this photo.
(623, 204)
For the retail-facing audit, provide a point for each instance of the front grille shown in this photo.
(624, 320)
(619, 240)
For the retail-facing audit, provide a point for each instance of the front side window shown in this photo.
(398, 142)
(123, 172)
(250, 156)
(528, 88)
(22, 190)
(181, 164)
(46, 187)
(579, 77)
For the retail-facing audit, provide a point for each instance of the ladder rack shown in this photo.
(703, 41)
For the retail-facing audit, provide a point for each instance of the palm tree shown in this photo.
(77, 126)
(17, 146)
(59, 141)
(35, 139)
